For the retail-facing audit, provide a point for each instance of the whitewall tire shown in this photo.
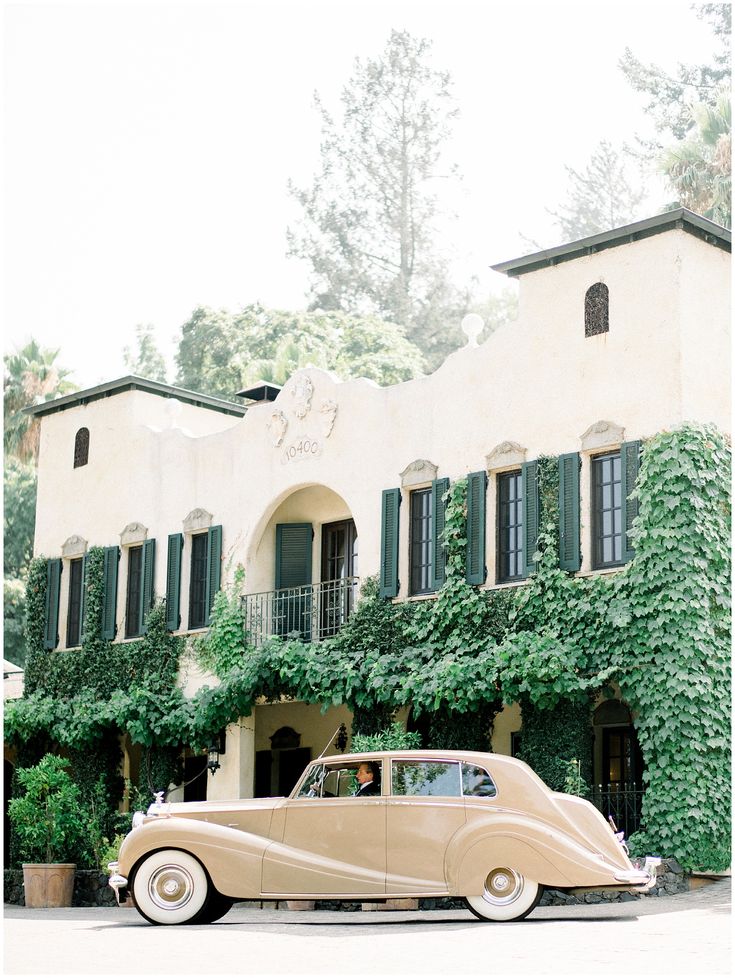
(506, 896)
(170, 887)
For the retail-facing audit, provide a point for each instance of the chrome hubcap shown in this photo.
(502, 886)
(170, 887)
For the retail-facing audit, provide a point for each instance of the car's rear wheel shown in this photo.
(506, 895)
(171, 887)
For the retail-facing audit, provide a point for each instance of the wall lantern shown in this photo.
(213, 763)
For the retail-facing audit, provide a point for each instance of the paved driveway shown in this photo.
(686, 934)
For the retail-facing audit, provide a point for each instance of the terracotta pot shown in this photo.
(48, 884)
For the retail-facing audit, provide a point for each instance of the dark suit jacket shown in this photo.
(369, 788)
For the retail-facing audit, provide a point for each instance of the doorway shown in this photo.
(338, 569)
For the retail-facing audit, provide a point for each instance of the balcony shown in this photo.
(311, 613)
(622, 802)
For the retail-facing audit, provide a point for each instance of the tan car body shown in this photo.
(389, 845)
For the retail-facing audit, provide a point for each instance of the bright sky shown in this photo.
(148, 146)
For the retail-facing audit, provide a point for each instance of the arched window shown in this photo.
(81, 447)
(596, 310)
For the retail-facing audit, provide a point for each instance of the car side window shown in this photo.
(476, 782)
(426, 778)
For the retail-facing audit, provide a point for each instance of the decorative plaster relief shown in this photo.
(301, 392)
(277, 426)
(507, 454)
(602, 434)
(74, 546)
(328, 414)
(198, 519)
(418, 472)
(132, 534)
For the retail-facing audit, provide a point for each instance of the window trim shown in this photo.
(192, 626)
(597, 564)
(502, 477)
(133, 622)
(75, 562)
(425, 491)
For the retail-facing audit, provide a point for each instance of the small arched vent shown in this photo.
(596, 309)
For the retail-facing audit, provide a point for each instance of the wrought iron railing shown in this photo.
(311, 613)
(622, 802)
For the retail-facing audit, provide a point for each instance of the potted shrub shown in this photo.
(47, 822)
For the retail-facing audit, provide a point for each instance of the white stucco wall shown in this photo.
(538, 382)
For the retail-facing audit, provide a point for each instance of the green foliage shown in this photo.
(606, 194)
(699, 168)
(574, 783)
(19, 515)
(45, 817)
(551, 738)
(672, 658)
(223, 646)
(220, 352)
(367, 229)
(391, 738)
(109, 851)
(31, 377)
(670, 94)
(146, 360)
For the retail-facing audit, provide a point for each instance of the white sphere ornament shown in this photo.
(472, 325)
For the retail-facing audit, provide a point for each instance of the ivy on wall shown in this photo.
(659, 628)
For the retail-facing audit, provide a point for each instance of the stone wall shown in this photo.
(90, 888)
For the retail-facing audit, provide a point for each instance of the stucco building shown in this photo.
(317, 485)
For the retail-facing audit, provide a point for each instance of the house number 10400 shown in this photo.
(303, 448)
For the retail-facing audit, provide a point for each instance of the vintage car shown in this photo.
(435, 824)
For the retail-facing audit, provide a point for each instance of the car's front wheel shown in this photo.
(170, 887)
(506, 895)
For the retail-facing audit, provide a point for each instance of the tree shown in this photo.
(699, 168)
(31, 377)
(19, 517)
(147, 361)
(220, 352)
(670, 96)
(369, 219)
(600, 197)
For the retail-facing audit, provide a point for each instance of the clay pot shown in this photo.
(48, 884)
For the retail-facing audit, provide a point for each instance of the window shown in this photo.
(510, 527)
(596, 310)
(198, 582)
(81, 448)
(420, 546)
(134, 604)
(607, 511)
(476, 782)
(433, 778)
(74, 613)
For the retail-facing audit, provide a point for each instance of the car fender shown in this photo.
(232, 858)
(530, 847)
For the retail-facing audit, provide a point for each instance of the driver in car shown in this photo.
(368, 778)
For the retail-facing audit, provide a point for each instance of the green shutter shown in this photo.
(293, 554)
(531, 506)
(148, 561)
(53, 592)
(630, 452)
(389, 522)
(569, 546)
(173, 581)
(83, 600)
(476, 492)
(438, 513)
(214, 566)
(109, 600)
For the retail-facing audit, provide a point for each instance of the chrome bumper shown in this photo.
(118, 883)
(643, 879)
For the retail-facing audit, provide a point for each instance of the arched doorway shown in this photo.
(302, 569)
